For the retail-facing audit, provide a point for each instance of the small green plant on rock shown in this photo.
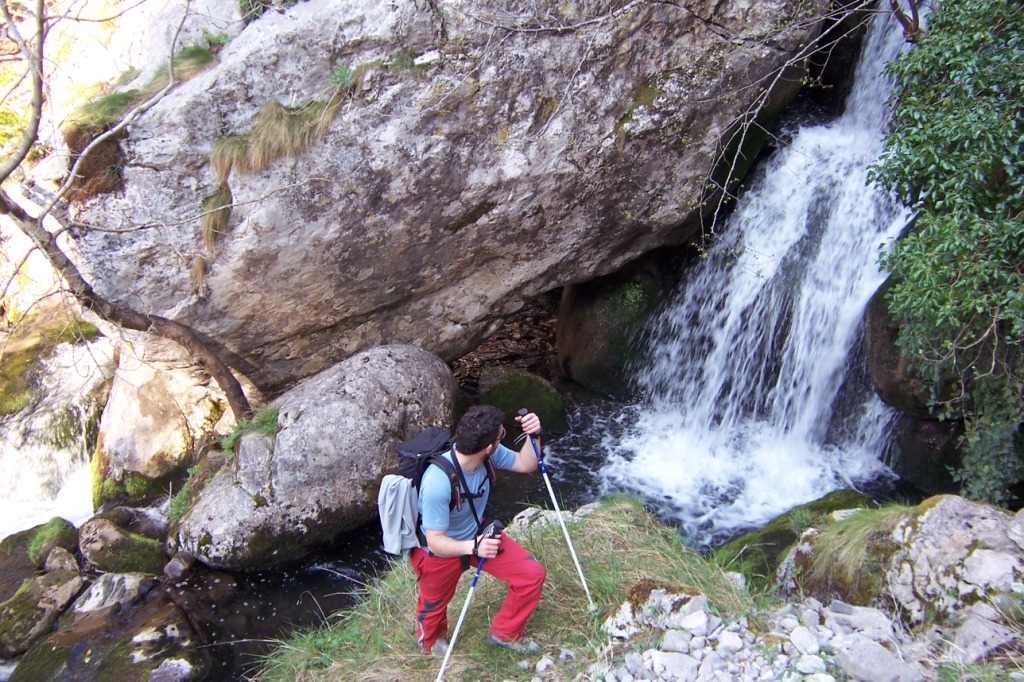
(342, 77)
(265, 421)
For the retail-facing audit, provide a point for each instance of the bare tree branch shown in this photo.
(46, 241)
(33, 54)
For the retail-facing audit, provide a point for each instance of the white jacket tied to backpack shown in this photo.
(396, 504)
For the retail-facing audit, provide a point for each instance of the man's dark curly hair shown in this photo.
(478, 428)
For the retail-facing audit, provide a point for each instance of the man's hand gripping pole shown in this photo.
(492, 530)
(547, 481)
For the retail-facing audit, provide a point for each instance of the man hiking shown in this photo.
(453, 541)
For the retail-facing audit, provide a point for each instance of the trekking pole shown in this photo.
(491, 531)
(543, 470)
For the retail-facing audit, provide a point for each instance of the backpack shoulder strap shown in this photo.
(445, 465)
(492, 475)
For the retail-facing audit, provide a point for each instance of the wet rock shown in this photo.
(145, 521)
(112, 591)
(598, 322)
(179, 566)
(15, 566)
(122, 634)
(34, 608)
(111, 548)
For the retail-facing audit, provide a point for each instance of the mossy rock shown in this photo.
(56, 532)
(511, 389)
(598, 323)
(758, 553)
(131, 489)
(15, 566)
(113, 549)
(31, 612)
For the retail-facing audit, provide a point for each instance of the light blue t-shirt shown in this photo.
(436, 495)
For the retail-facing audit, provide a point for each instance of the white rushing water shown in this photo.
(44, 459)
(751, 402)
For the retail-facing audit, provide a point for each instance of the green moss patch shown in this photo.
(45, 661)
(511, 389)
(757, 554)
(54, 533)
(133, 488)
(34, 339)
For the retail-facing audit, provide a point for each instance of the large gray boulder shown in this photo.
(485, 154)
(319, 475)
(943, 556)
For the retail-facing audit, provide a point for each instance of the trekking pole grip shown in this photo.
(536, 450)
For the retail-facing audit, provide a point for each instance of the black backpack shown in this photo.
(398, 494)
(429, 447)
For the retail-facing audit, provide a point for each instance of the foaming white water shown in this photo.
(44, 463)
(752, 404)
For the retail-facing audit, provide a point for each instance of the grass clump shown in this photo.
(757, 554)
(619, 544)
(216, 213)
(848, 555)
(278, 131)
(265, 421)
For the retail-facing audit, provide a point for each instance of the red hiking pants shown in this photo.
(439, 576)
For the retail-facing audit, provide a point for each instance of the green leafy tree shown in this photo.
(953, 154)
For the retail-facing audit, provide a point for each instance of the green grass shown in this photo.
(994, 671)
(265, 421)
(618, 545)
(848, 555)
(179, 505)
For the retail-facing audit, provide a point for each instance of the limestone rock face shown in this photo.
(484, 154)
(284, 494)
(160, 405)
(946, 555)
(954, 553)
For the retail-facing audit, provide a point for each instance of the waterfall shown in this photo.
(755, 398)
(44, 458)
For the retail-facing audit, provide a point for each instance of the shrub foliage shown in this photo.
(953, 154)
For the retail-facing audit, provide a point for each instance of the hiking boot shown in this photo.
(520, 646)
(439, 648)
